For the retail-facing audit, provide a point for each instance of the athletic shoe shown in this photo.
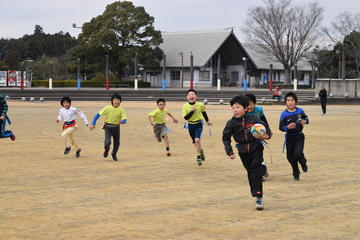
(266, 172)
(67, 150)
(106, 153)
(114, 157)
(12, 137)
(296, 178)
(202, 156)
(168, 153)
(304, 167)
(78, 153)
(259, 205)
(199, 161)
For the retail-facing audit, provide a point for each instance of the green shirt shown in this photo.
(113, 115)
(158, 116)
(197, 115)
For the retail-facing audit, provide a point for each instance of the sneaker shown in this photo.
(12, 137)
(202, 156)
(304, 167)
(267, 172)
(259, 205)
(168, 153)
(67, 150)
(199, 161)
(106, 153)
(78, 153)
(114, 157)
(296, 178)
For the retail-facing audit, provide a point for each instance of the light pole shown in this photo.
(78, 75)
(28, 71)
(182, 69)
(50, 75)
(245, 73)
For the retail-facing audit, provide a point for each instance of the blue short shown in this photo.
(196, 130)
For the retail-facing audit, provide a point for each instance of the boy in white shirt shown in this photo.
(68, 115)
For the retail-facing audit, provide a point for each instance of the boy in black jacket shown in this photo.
(250, 148)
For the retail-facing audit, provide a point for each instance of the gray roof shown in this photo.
(202, 44)
(263, 60)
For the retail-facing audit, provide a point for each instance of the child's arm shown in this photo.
(82, 115)
(226, 138)
(59, 117)
(151, 121)
(93, 123)
(206, 118)
(175, 120)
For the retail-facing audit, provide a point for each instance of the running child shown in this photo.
(157, 120)
(3, 118)
(193, 112)
(68, 115)
(249, 148)
(259, 112)
(115, 116)
(292, 121)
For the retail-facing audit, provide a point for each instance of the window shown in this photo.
(175, 75)
(234, 76)
(204, 75)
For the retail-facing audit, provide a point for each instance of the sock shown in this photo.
(259, 199)
(199, 155)
(168, 149)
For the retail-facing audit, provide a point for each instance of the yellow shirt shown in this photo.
(158, 116)
(197, 115)
(113, 115)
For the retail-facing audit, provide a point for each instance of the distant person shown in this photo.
(249, 149)
(259, 112)
(68, 115)
(157, 120)
(193, 112)
(292, 121)
(323, 99)
(115, 116)
(277, 94)
(3, 118)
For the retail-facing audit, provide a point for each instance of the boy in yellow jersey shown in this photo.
(115, 115)
(194, 112)
(157, 120)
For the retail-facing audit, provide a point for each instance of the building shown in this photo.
(212, 51)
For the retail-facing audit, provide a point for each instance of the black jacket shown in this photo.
(240, 130)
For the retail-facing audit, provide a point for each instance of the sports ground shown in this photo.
(45, 194)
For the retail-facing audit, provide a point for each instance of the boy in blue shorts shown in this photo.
(249, 148)
(193, 112)
(292, 121)
(259, 112)
(157, 120)
(115, 116)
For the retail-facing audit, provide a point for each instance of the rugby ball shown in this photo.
(258, 129)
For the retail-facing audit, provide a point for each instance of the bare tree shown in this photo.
(284, 31)
(345, 31)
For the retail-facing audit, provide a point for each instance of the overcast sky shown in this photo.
(19, 17)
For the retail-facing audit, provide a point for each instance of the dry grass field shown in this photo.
(45, 194)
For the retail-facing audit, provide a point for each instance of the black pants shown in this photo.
(323, 104)
(114, 132)
(295, 152)
(252, 163)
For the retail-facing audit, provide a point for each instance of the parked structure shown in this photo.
(206, 47)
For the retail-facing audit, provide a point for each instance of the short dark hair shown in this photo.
(240, 99)
(115, 95)
(291, 94)
(251, 97)
(65, 99)
(160, 100)
(191, 90)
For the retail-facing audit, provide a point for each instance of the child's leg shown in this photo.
(299, 152)
(116, 138)
(167, 143)
(252, 163)
(67, 137)
(290, 152)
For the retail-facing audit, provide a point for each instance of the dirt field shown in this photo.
(45, 194)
